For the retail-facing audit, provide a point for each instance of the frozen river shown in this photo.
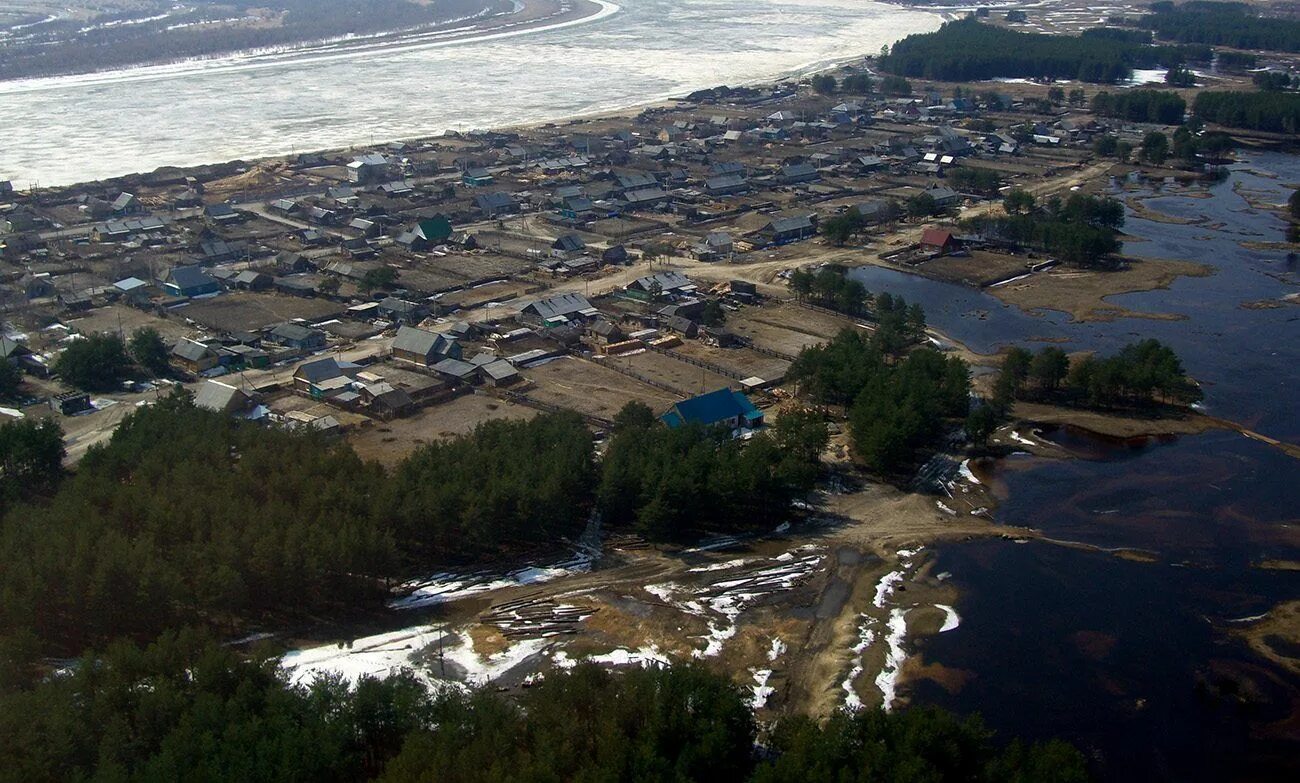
(70, 129)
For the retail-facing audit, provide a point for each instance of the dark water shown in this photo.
(1247, 359)
(1137, 662)
(1117, 658)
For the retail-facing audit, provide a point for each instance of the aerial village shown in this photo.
(405, 292)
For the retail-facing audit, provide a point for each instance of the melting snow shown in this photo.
(951, 619)
(443, 587)
(966, 472)
(887, 680)
(1018, 438)
(760, 688)
(719, 566)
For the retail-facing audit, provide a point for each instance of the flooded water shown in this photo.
(1138, 662)
(72, 129)
(1117, 657)
(1247, 359)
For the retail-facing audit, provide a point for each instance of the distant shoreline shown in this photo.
(583, 12)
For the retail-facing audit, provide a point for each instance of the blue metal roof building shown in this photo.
(721, 407)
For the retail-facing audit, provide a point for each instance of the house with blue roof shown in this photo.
(723, 407)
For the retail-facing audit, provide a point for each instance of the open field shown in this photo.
(252, 311)
(745, 361)
(590, 388)
(686, 378)
(119, 317)
(390, 442)
(785, 328)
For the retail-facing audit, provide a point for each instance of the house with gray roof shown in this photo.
(423, 348)
(560, 309)
(190, 281)
(221, 398)
(194, 356)
(299, 337)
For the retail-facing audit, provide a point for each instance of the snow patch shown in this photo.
(760, 688)
(887, 680)
(1018, 438)
(951, 619)
(445, 587)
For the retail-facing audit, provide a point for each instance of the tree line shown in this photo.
(1142, 374)
(187, 708)
(966, 50)
(1222, 24)
(1081, 230)
(1276, 112)
(1154, 106)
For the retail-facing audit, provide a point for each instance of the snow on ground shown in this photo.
(1018, 438)
(728, 597)
(760, 688)
(376, 656)
(386, 654)
(966, 472)
(443, 587)
(897, 631)
(887, 680)
(644, 657)
(951, 619)
(719, 566)
(479, 670)
(866, 637)
(1146, 76)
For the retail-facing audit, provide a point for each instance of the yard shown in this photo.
(785, 328)
(591, 388)
(687, 379)
(390, 442)
(251, 311)
(745, 361)
(124, 319)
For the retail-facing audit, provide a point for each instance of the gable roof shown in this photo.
(936, 237)
(191, 350)
(564, 304)
(419, 341)
(219, 397)
(712, 408)
(324, 369)
(190, 277)
(668, 281)
(292, 331)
